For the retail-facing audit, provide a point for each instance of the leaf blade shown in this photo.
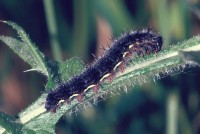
(33, 50)
(22, 50)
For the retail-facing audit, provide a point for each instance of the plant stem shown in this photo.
(172, 114)
(52, 28)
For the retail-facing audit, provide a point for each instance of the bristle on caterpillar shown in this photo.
(140, 43)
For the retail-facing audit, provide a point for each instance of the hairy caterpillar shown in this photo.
(139, 42)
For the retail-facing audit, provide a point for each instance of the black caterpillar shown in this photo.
(138, 42)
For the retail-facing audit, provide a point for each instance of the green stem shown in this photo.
(52, 28)
(172, 113)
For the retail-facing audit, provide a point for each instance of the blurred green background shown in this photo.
(62, 29)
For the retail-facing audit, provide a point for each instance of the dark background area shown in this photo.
(82, 27)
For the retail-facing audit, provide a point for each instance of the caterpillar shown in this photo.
(139, 42)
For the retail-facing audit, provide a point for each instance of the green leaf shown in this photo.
(70, 68)
(8, 123)
(26, 49)
(141, 70)
(24, 52)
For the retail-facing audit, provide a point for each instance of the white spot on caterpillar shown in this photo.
(130, 46)
(105, 76)
(74, 95)
(137, 43)
(61, 101)
(90, 86)
(118, 64)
